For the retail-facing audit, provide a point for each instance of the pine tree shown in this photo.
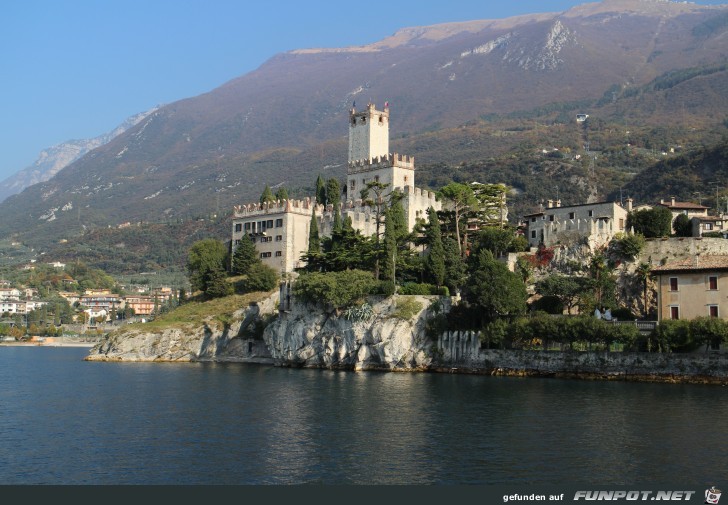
(245, 256)
(435, 262)
(267, 195)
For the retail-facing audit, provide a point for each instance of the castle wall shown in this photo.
(368, 133)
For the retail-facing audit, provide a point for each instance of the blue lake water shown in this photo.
(67, 421)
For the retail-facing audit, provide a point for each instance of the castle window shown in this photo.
(572, 215)
(405, 179)
(353, 121)
(674, 312)
(279, 223)
(591, 213)
(247, 226)
(551, 217)
(673, 283)
(269, 223)
(376, 178)
(621, 223)
(266, 255)
(238, 227)
(533, 234)
(237, 241)
(381, 120)
(279, 254)
(279, 238)
(353, 184)
(364, 120)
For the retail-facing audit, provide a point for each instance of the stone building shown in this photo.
(594, 223)
(280, 229)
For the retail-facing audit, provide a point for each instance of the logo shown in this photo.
(712, 495)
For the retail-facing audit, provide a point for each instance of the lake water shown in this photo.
(67, 421)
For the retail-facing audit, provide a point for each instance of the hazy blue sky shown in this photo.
(73, 69)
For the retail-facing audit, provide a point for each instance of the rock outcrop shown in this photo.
(389, 334)
(209, 341)
(383, 334)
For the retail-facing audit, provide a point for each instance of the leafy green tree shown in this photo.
(496, 240)
(494, 289)
(206, 258)
(642, 272)
(461, 200)
(627, 246)
(567, 289)
(267, 196)
(281, 194)
(245, 256)
(682, 226)
(435, 262)
(710, 331)
(652, 223)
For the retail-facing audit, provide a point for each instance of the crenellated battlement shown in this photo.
(259, 209)
(386, 161)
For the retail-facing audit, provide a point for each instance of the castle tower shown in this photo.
(368, 133)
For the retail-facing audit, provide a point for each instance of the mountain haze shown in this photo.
(54, 159)
(458, 93)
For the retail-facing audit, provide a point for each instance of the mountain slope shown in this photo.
(54, 159)
(286, 121)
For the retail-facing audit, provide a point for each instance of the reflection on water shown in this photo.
(66, 421)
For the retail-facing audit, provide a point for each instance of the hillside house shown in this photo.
(593, 223)
(690, 209)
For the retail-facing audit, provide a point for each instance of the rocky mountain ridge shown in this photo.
(55, 158)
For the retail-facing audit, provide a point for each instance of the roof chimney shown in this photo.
(549, 204)
(672, 201)
(629, 205)
(558, 203)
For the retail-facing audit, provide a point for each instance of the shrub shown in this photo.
(336, 289)
(406, 308)
(260, 278)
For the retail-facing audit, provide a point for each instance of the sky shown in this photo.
(76, 69)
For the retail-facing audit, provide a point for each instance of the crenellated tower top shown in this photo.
(368, 133)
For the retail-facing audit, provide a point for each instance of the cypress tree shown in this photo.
(395, 230)
(435, 262)
(320, 190)
(333, 192)
(314, 241)
(281, 194)
(267, 195)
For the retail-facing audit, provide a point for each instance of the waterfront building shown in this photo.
(280, 229)
(692, 287)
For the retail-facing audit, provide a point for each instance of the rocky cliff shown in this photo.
(388, 334)
(211, 340)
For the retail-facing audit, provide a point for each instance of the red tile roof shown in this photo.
(713, 262)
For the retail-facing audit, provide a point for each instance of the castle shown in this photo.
(280, 229)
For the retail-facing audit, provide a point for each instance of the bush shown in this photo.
(385, 288)
(260, 278)
(443, 291)
(336, 289)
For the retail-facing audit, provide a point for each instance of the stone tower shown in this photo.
(368, 133)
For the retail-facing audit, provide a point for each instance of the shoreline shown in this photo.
(50, 344)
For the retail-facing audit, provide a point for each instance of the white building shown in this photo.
(280, 230)
(595, 224)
